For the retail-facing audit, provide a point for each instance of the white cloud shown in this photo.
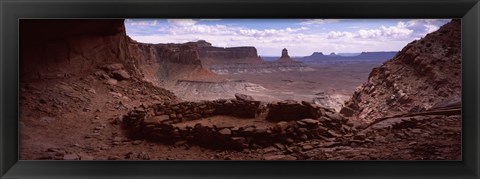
(268, 32)
(399, 31)
(431, 28)
(318, 21)
(370, 33)
(424, 26)
(182, 22)
(141, 22)
(189, 26)
(339, 34)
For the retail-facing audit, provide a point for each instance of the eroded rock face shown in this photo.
(422, 74)
(285, 53)
(285, 58)
(217, 55)
(59, 48)
(168, 62)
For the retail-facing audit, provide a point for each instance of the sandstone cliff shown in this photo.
(59, 48)
(246, 60)
(422, 74)
(217, 55)
(163, 63)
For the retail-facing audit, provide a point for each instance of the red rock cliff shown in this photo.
(217, 55)
(422, 74)
(55, 48)
(160, 63)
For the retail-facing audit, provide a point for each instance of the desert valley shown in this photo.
(88, 91)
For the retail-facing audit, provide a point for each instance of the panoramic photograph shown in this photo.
(240, 89)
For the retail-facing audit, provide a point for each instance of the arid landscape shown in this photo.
(88, 91)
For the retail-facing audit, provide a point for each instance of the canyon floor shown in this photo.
(328, 85)
(90, 92)
(79, 117)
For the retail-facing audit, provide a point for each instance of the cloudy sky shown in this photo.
(300, 36)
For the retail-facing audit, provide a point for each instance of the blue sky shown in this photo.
(301, 37)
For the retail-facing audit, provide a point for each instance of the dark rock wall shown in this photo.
(56, 48)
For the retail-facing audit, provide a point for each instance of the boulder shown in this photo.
(307, 147)
(335, 117)
(120, 75)
(112, 81)
(309, 121)
(99, 73)
(243, 97)
(156, 119)
(282, 125)
(225, 131)
(346, 111)
(333, 133)
(250, 129)
(112, 67)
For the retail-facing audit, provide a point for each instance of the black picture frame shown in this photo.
(467, 10)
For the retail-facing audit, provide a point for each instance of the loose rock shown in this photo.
(120, 75)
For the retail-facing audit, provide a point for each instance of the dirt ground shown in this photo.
(78, 118)
(76, 115)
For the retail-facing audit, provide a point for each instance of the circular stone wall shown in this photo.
(285, 122)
